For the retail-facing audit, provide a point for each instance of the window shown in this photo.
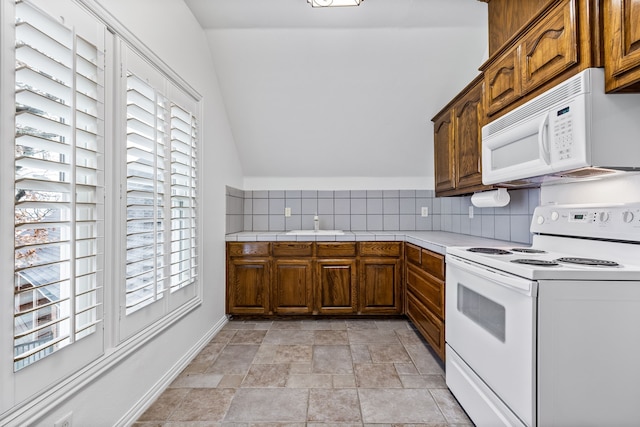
(59, 184)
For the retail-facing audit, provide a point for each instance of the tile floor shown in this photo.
(310, 372)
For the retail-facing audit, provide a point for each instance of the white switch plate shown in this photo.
(287, 212)
(425, 211)
(470, 211)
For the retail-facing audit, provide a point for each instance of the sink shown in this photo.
(315, 233)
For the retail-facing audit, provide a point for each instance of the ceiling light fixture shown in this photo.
(333, 3)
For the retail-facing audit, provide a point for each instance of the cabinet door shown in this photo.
(379, 291)
(502, 82)
(443, 143)
(291, 289)
(248, 286)
(622, 43)
(335, 286)
(431, 328)
(550, 47)
(468, 121)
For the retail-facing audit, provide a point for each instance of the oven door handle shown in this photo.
(524, 286)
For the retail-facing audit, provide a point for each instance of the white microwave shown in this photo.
(572, 130)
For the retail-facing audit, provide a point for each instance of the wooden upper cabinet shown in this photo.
(443, 145)
(622, 45)
(468, 121)
(502, 81)
(550, 47)
(457, 142)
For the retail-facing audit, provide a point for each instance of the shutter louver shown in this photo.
(58, 186)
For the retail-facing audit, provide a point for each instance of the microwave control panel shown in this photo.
(567, 135)
(563, 134)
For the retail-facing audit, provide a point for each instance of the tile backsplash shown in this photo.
(379, 210)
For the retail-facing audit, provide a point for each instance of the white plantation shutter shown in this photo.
(183, 197)
(161, 181)
(59, 208)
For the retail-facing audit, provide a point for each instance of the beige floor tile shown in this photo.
(204, 405)
(223, 336)
(309, 381)
(273, 353)
(284, 336)
(164, 405)
(361, 324)
(395, 324)
(230, 381)
(406, 369)
(238, 324)
(333, 406)
(234, 359)
(360, 353)
(344, 381)
(424, 361)
(331, 338)
(377, 375)
(300, 368)
(262, 376)
(248, 337)
(332, 359)
(388, 353)
(287, 324)
(269, 405)
(399, 406)
(196, 380)
(410, 336)
(205, 358)
(372, 336)
(449, 406)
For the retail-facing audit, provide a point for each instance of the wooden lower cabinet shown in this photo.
(431, 328)
(336, 286)
(380, 286)
(292, 286)
(248, 286)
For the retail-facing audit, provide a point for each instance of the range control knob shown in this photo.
(603, 216)
(540, 219)
(627, 216)
(554, 216)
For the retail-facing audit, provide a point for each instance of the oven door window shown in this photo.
(486, 313)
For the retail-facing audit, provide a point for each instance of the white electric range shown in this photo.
(549, 335)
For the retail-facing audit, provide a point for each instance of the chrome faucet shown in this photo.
(316, 223)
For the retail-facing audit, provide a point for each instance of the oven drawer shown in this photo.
(426, 288)
(429, 325)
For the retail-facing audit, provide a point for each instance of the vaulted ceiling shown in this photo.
(340, 92)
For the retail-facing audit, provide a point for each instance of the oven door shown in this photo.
(491, 325)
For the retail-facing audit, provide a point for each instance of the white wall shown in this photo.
(169, 29)
(336, 108)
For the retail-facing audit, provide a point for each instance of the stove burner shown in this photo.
(537, 262)
(528, 251)
(588, 261)
(490, 251)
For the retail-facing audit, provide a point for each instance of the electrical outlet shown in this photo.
(64, 421)
(287, 212)
(470, 211)
(425, 211)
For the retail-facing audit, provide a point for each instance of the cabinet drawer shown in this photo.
(380, 248)
(248, 249)
(330, 249)
(431, 328)
(429, 290)
(412, 253)
(433, 263)
(303, 249)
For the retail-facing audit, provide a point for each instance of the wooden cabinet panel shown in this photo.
(292, 286)
(248, 286)
(550, 47)
(433, 263)
(622, 45)
(335, 249)
(502, 81)
(469, 118)
(300, 249)
(412, 253)
(428, 289)
(393, 249)
(380, 291)
(258, 249)
(506, 17)
(443, 144)
(336, 286)
(430, 326)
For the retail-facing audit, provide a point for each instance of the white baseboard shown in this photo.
(147, 400)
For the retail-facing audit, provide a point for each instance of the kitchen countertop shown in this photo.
(436, 241)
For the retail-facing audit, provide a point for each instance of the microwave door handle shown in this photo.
(543, 140)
